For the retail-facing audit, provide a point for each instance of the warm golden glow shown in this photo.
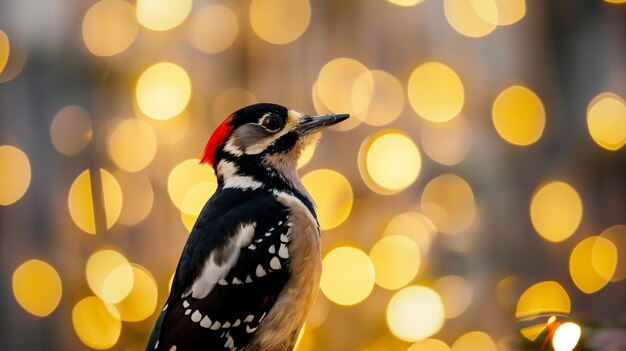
(16, 55)
(593, 263)
(347, 276)
(415, 313)
(184, 177)
(473, 341)
(518, 115)
(338, 80)
(109, 275)
(213, 29)
(447, 143)
(37, 287)
(162, 15)
(71, 130)
(132, 145)
(280, 21)
(15, 174)
(332, 194)
(556, 211)
(389, 162)
(229, 101)
(509, 11)
(464, 16)
(194, 201)
(617, 235)
(547, 297)
(163, 90)
(94, 324)
(5, 49)
(456, 293)
(138, 197)
(429, 345)
(606, 120)
(566, 337)
(379, 95)
(436, 92)
(414, 226)
(141, 301)
(81, 200)
(405, 3)
(396, 261)
(109, 27)
(449, 202)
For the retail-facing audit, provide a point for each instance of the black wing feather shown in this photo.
(244, 294)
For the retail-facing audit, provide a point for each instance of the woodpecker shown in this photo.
(250, 269)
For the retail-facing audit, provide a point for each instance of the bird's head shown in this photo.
(261, 141)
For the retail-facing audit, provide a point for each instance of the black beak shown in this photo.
(310, 124)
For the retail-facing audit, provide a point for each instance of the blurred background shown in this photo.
(476, 200)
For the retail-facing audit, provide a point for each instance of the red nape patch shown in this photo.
(217, 139)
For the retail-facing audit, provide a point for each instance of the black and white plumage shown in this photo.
(250, 269)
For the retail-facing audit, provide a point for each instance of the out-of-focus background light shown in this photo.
(473, 201)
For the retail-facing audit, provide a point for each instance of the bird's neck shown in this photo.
(273, 172)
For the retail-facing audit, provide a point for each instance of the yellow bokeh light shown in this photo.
(509, 11)
(379, 95)
(37, 287)
(405, 3)
(94, 324)
(456, 293)
(566, 337)
(141, 301)
(109, 275)
(449, 202)
(280, 21)
(447, 143)
(473, 341)
(415, 313)
(213, 29)
(543, 298)
(163, 90)
(184, 177)
(229, 101)
(15, 54)
(556, 211)
(414, 226)
(347, 276)
(616, 1)
(389, 162)
(81, 200)
(132, 145)
(15, 174)
(138, 197)
(617, 235)
(5, 48)
(194, 201)
(462, 15)
(109, 27)
(518, 115)
(162, 15)
(592, 263)
(606, 121)
(429, 345)
(332, 194)
(396, 261)
(435, 92)
(336, 83)
(70, 130)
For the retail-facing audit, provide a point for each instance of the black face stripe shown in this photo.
(283, 144)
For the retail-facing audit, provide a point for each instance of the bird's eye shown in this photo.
(271, 122)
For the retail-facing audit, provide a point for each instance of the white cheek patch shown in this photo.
(213, 272)
(232, 149)
(293, 119)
